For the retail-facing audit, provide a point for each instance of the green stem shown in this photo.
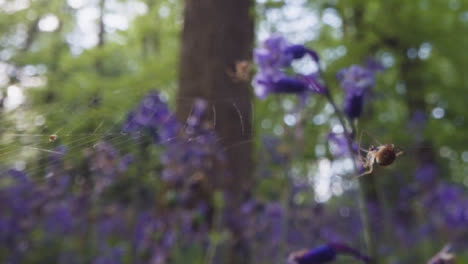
(368, 239)
(216, 236)
(285, 220)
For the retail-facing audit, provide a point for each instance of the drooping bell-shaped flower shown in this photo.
(272, 59)
(356, 81)
(325, 254)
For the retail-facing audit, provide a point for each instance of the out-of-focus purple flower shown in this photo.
(264, 84)
(313, 83)
(275, 213)
(144, 226)
(353, 104)
(125, 161)
(417, 120)
(324, 254)
(339, 145)
(273, 149)
(299, 51)
(55, 160)
(356, 81)
(427, 173)
(318, 255)
(152, 115)
(448, 205)
(189, 148)
(196, 120)
(374, 65)
(275, 55)
(111, 224)
(59, 220)
(114, 256)
(103, 159)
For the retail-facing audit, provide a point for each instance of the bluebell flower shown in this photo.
(313, 83)
(272, 54)
(448, 206)
(427, 173)
(338, 144)
(272, 59)
(146, 224)
(189, 148)
(318, 255)
(125, 162)
(273, 149)
(299, 51)
(356, 79)
(353, 104)
(112, 256)
(324, 254)
(356, 82)
(374, 65)
(154, 117)
(265, 84)
(60, 220)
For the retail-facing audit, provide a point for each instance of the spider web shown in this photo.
(26, 141)
(25, 135)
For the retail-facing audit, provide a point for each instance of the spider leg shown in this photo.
(371, 168)
(373, 137)
(359, 149)
(399, 153)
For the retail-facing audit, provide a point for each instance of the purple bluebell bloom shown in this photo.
(313, 83)
(272, 59)
(338, 144)
(266, 84)
(191, 149)
(374, 65)
(448, 205)
(318, 255)
(60, 220)
(299, 51)
(356, 82)
(356, 79)
(125, 162)
(152, 115)
(113, 256)
(353, 104)
(273, 149)
(272, 54)
(427, 173)
(324, 254)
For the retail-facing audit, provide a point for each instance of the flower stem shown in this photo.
(368, 239)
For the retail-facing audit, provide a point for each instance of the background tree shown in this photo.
(216, 36)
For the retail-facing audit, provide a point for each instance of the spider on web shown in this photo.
(382, 155)
(241, 71)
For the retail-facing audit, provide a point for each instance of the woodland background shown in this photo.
(76, 68)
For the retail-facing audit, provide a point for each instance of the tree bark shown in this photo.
(217, 34)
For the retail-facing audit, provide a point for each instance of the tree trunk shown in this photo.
(217, 34)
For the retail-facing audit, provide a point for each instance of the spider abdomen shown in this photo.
(385, 155)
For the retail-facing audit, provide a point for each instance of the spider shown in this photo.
(53, 137)
(382, 155)
(242, 71)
